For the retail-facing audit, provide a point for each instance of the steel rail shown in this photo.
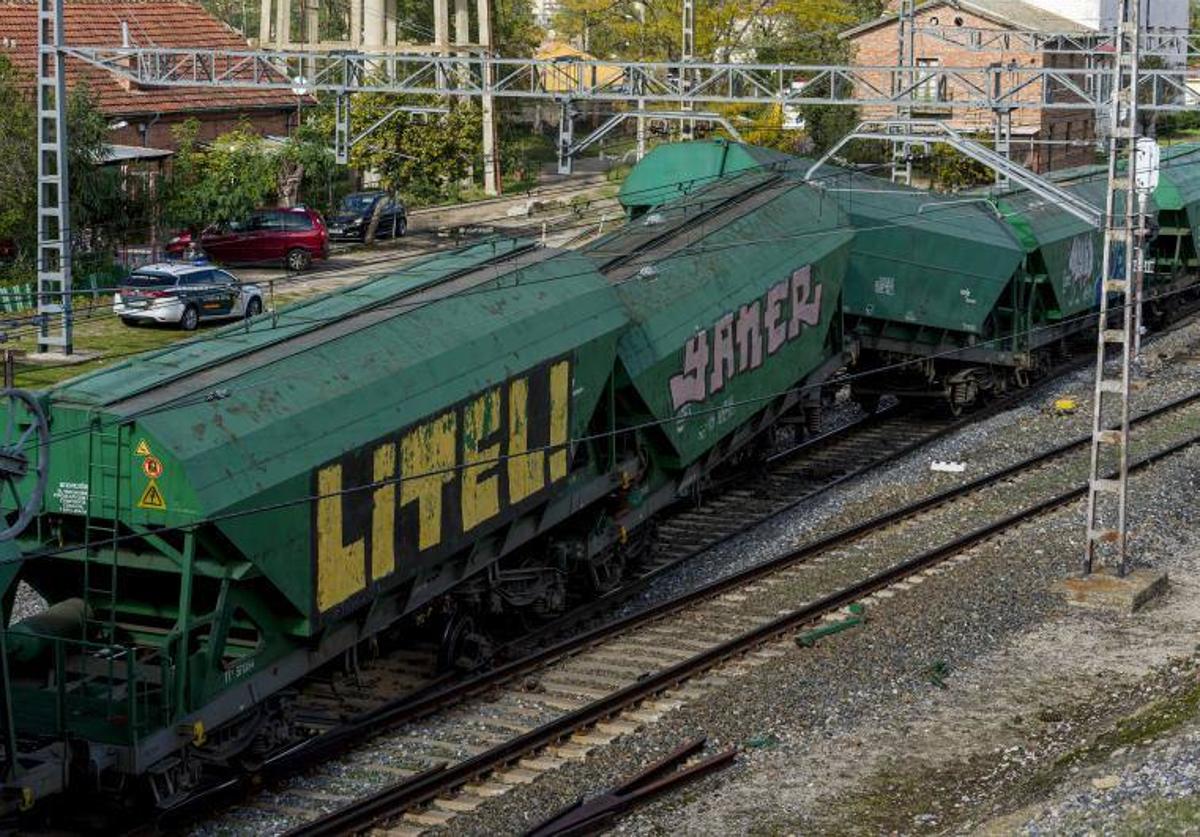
(393, 800)
(306, 752)
(518, 654)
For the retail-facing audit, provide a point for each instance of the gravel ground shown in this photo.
(964, 701)
(26, 602)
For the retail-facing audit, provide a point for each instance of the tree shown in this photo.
(802, 31)
(424, 156)
(18, 175)
(238, 171)
(765, 31)
(952, 170)
(100, 211)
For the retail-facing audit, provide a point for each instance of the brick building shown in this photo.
(145, 116)
(1041, 139)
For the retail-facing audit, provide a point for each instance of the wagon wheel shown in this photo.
(22, 465)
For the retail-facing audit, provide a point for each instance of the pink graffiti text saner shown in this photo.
(735, 341)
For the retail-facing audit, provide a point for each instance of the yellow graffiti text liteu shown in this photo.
(442, 480)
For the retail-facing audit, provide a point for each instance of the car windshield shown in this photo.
(148, 279)
(358, 202)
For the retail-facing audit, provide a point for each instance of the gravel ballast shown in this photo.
(951, 707)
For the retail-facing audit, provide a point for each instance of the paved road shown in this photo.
(548, 212)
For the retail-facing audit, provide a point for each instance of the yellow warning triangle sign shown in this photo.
(152, 498)
(142, 449)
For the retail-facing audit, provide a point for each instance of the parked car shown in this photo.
(293, 237)
(184, 294)
(183, 245)
(353, 216)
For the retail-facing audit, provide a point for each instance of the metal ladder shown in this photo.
(107, 452)
(901, 81)
(1108, 482)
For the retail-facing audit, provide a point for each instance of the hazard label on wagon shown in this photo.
(152, 467)
(142, 449)
(152, 498)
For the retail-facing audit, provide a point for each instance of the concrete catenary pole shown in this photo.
(491, 139)
(283, 23)
(264, 24)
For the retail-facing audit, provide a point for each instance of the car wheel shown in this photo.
(190, 318)
(129, 321)
(401, 227)
(254, 307)
(298, 260)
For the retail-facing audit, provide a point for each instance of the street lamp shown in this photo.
(299, 90)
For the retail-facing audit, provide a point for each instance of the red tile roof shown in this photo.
(161, 23)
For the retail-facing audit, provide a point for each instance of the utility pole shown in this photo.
(905, 79)
(1124, 231)
(687, 54)
(491, 140)
(54, 196)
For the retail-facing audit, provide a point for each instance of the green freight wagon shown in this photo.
(224, 515)
(673, 170)
(739, 315)
(1172, 259)
(456, 446)
(956, 296)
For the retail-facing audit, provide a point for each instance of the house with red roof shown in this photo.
(145, 116)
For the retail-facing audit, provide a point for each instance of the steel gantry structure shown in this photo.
(680, 83)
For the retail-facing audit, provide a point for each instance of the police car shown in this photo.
(184, 294)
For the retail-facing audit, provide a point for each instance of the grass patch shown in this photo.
(1162, 816)
(98, 330)
(1154, 721)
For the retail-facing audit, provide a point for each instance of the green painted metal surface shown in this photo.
(940, 262)
(240, 421)
(1174, 205)
(671, 170)
(740, 314)
(1065, 250)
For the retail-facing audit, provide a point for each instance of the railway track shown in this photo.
(348, 706)
(453, 748)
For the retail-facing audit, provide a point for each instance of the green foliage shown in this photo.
(1171, 124)
(18, 174)
(424, 157)
(826, 124)
(777, 30)
(101, 210)
(238, 171)
(774, 31)
(104, 209)
(221, 182)
(951, 170)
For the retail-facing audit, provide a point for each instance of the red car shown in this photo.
(293, 237)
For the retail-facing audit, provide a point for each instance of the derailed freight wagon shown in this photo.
(957, 296)
(462, 443)
(946, 296)
(1172, 258)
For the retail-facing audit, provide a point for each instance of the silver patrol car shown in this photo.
(184, 294)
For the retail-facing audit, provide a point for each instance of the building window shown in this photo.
(929, 87)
